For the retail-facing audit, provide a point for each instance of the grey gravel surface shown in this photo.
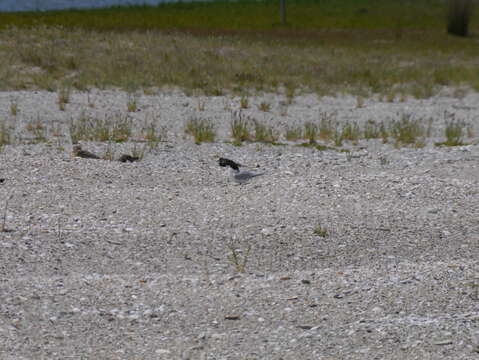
(110, 260)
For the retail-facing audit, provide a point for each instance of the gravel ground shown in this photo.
(110, 260)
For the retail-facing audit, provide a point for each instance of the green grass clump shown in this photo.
(327, 126)
(37, 128)
(264, 133)
(153, 135)
(240, 128)
(114, 127)
(264, 106)
(294, 133)
(202, 130)
(320, 231)
(5, 134)
(310, 132)
(454, 131)
(408, 131)
(351, 131)
(63, 97)
(372, 130)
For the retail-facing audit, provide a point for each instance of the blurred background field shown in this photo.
(364, 47)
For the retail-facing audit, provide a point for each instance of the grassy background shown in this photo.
(363, 47)
(248, 15)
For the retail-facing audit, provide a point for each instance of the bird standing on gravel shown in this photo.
(78, 151)
(237, 175)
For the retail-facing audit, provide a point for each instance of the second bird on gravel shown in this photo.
(237, 175)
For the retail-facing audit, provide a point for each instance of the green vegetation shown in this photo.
(202, 130)
(320, 231)
(454, 131)
(5, 134)
(240, 128)
(116, 128)
(294, 133)
(362, 47)
(408, 131)
(247, 14)
(263, 133)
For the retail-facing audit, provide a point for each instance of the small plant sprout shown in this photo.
(327, 126)
(63, 96)
(454, 131)
(202, 130)
(294, 133)
(321, 231)
(311, 132)
(109, 152)
(408, 131)
(371, 130)
(138, 152)
(239, 262)
(351, 132)
(240, 128)
(264, 106)
(132, 103)
(153, 136)
(244, 102)
(37, 128)
(5, 134)
(359, 102)
(14, 107)
(383, 160)
(201, 105)
(264, 133)
(4, 227)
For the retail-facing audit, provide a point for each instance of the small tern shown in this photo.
(237, 175)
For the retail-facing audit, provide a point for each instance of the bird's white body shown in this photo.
(241, 177)
(237, 175)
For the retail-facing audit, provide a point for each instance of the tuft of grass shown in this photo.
(310, 132)
(383, 160)
(320, 231)
(37, 128)
(294, 133)
(63, 96)
(327, 126)
(351, 131)
(109, 152)
(5, 209)
(244, 102)
(264, 133)
(408, 131)
(132, 103)
(5, 134)
(240, 128)
(264, 106)
(458, 17)
(201, 105)
(202, 130)
(372, 130)
(14, 107)
(138, 152)
(239, 262)
(153, 135)
(359, 102)
(454, 131)
(114, 127)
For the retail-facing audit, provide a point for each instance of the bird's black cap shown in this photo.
(227, 162)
